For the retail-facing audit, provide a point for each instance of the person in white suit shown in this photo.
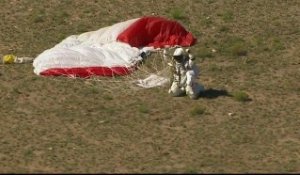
(192, 88)
(185, 74)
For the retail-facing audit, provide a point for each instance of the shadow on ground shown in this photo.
(214, 93)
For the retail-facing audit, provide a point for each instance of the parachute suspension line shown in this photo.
(154, 64)
(112, 78)
(157, 63)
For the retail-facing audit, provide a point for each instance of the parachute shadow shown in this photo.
(214, 93)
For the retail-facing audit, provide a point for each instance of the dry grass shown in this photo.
(61, 125)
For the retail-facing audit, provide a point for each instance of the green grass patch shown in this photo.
(91, 90)
(207, 22)
(61, 17)
(238, 50)
(28, 154)
(143, 109)
(224, 29)
(277, 45)
(241, 96)
(110, 111)
(107, 97)
(197, 111)
(177, 13)
(204, 53)
(39, 18)
(214, 68)
(211, 1)
(234, 46)
(227, 16)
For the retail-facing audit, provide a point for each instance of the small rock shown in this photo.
(101, 121)
(230, 114)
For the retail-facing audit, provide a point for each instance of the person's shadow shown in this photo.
(214, 93)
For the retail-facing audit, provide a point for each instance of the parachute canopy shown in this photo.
(110, 51)
(157, 32)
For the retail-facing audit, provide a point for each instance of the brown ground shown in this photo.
(62, 125)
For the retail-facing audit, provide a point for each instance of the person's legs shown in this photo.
(175, 90)
(192, 88)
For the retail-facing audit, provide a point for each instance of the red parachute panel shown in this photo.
(157, 32)
(86, 72)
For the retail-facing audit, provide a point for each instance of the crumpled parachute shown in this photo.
(112, 50)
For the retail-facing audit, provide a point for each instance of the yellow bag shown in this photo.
(8, 59)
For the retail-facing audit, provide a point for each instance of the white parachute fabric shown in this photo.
(152, 81)
(97, 49)
(111, 55)
(104, 35)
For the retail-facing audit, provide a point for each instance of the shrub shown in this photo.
(227, 16)
(143, 109)
(177, 14)
(241, 96)
(196, 111)
(107, 97)
(234, 46)
(224, 29)
(238, 49)
(277, 45)
(204, 53)
(39, 18)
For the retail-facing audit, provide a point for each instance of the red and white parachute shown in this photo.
(113, 50)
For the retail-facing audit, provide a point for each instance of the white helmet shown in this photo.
(178, 52)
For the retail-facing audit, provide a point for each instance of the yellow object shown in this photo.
(8, 59)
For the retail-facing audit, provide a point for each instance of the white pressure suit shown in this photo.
(185, 74)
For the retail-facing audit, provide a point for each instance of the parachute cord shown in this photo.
(155, 64)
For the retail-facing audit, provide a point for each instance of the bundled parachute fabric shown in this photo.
(152, 81)
(9, 59)
(157, 32)
(112, 50)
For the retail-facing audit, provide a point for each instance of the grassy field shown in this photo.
(247, 121)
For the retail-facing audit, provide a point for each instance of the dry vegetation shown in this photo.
(62, 125)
